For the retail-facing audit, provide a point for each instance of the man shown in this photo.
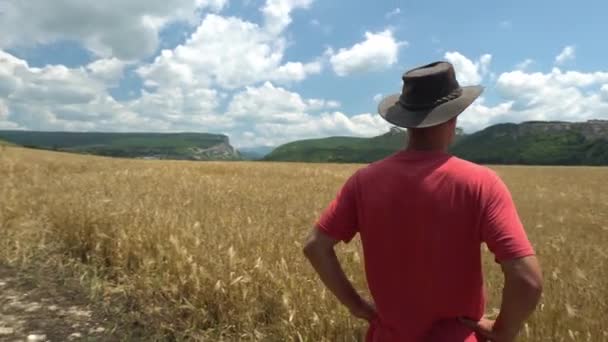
(422, 216)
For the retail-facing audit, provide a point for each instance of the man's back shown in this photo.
(422, 217)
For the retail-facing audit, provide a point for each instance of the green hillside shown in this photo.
(534, 143)
(341, 149)
(192, 146)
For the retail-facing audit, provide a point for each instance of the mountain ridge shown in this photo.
(176, 146)
(528, 143)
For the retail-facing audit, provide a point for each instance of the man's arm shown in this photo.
(319, 249)
(520, 296)
(503, 232)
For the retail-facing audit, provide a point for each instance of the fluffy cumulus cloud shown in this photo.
(109, 70)
(184, 85)
(60, 98)
(228, 52)
(480, 115)
(277, 13)
(270, 103)
(56, 97)
(229, 76)
(555, 95)
(275, 114)
(378, 51)
(469, 72)
(565, 55)
(112, 28)
(320, 125)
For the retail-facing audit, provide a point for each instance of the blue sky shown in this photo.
(266, 72)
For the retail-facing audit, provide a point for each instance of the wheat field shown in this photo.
(211, 251)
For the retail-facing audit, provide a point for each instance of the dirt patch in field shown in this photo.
(40, 307)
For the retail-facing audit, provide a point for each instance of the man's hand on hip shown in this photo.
(485, 328)
(365, 310)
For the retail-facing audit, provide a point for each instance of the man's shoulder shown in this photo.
(469, 165)
(460, 170)
(378, 165)
(467, 170)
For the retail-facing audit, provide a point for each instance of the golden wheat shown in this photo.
(212, 251)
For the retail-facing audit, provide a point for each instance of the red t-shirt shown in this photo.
(422, 217)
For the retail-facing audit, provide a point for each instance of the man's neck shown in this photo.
(426, 147)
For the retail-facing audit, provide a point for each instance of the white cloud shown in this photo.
(469, 72)
(230, 76)
(378, 51)
(323, 125)
(377, 97)
(268, 102)
(277, 13)
(112, 28)
(182, 85)
(565, 55)
(557, 95)
(229, 52)
(275, 104)
(109, 70)
(181, 89)
(392, 13)
(46, 86)
(524, 64)
(59, 98)
(479, 115)
(173, 104)
(296, 71)
(276, 115)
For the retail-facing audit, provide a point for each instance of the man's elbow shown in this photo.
(534, 280)
(312, 247)
(309, 249)
(535, 285)
(525, 275)
(531, 287)
(317, 245)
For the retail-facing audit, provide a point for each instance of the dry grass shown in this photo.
(212, 251)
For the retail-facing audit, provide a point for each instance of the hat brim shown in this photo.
(392, 111)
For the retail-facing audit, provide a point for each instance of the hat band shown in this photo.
(422, 106)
